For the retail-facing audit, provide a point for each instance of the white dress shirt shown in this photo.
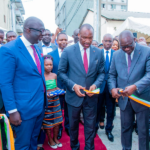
(109, 54)
(46, 49)
(130, 55)
(60, 52)
(30, 50)
(87, 52)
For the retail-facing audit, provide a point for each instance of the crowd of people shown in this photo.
(39, 63)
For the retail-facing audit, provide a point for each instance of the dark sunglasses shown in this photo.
(127, 46)
(37, 30)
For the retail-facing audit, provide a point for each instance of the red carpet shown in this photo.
(65, 140)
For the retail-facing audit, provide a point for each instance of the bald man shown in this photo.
(130, 71)
(10, 36)
(104, 96)
(23, 78)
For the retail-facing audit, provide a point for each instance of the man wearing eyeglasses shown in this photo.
(130, 71)
(23, 84)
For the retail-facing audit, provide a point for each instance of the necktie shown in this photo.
(37, 63)
(85, 60)
(107, 61)
(36, 59)
(129, 62)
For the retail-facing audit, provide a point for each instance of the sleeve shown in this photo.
(101, 72)
(112, 76)
(145, 81)
(7, 73)
(62, 71)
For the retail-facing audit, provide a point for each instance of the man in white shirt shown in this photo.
(23, 84)
(47, 45)
(105, 98)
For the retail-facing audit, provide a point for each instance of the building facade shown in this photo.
(11, 15)
(5, 15)
(17, 12)
(70, 13)
(119, 5)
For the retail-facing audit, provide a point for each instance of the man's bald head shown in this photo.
(75, 35)
(86, 26)
(33, 29)
(31, 22)
(126, 40)
(126, 34)
(107, 41)
(142, 39)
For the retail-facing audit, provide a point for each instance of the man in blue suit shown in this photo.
(82, 66)
(23, 85)
(104, 92)
(130, 71)
(62, 40)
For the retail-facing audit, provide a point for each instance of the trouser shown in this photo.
(106, 98)
(89, 115)
(127, 118)
(27, 133)
(64, 105)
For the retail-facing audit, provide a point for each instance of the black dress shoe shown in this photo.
(67, 131)
(41, 148)
(59, 135)
(110, 136)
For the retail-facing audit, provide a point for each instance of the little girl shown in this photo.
(53, 114)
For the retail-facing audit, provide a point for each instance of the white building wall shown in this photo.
(107, 26)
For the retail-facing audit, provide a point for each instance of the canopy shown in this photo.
(3, 29)
(139, 25)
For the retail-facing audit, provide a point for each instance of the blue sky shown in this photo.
(45, 10)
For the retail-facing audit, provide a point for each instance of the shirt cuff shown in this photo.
(12, 111)
(73, 87)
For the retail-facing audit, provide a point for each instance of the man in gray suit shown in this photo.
(130, 71)
(82, 67)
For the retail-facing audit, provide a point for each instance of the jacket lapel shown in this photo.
(57, 56)
(135, 58)
(26, 54)
(78, 55)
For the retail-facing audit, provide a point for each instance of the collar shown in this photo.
(60, 50)
(107, 50)
(43, 45)
(25, 41)
(82, 48)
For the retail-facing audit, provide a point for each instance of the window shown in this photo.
(4, 18)
(122, 0)
(123, 7)
(113, 6)
(103, 5)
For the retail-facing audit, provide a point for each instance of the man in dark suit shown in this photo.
(23, 84)
(105, 96)
(62, 40)
(130, 71)
(82, 66)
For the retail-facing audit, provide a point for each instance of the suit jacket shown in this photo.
(71, 71)
(102, 87)
(139, 75)
(21, 83)
(54, 47)
(56, 59)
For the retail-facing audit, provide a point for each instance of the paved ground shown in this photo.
(116, 145)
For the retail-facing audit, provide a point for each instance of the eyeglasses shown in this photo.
(127, 46)
(37, 30)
